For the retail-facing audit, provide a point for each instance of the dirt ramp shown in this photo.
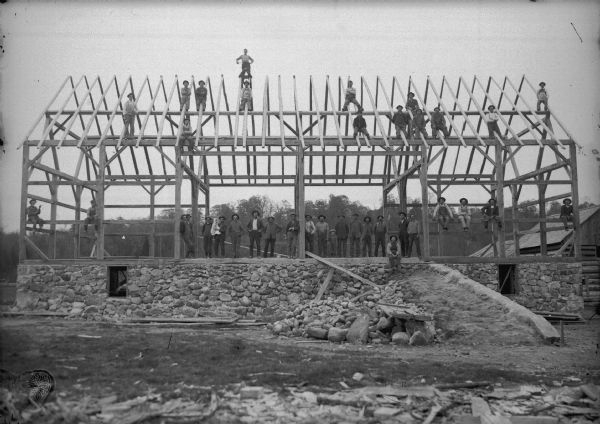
(469, 313)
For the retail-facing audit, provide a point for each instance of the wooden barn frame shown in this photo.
(78, 143)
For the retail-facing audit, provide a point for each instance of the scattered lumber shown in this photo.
(561, 316)
(199, 320)
(344, 270)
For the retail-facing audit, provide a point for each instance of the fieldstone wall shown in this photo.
(539, 286)
(254, 289)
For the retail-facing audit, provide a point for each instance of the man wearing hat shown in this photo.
(367, 236)
(235, 230)
(246, 62)
(246, 97)
(438, 123)
(322, 231)
(129, 114)
(207, 237)
(393, 252)
(443, 213)
(464, 214)
(218, 231)
(186, 230)
(291, 232)
(542, 97)
(417, 125)
(309, 232)
(566, 213)
(332, 242)
(360, 126)
(491, 212)
(414, 228)
(201, 93)
(401, 120)
(380, 231)
(91, 216)
(403, 233)
(271, 229)
(186, 93)
(491, 119)
(33, 215)
(411, 102)
(255, 228)
(355, 233)
(350, 97)
(341, 234)
(186, 133)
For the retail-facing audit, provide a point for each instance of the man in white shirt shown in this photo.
(351, 98)
(246, 97)
(491, 119)
(129, 114)
(246, 61)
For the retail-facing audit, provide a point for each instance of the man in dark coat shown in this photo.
(187, 234)
(341, 232)
(380, 231)
(255, 228)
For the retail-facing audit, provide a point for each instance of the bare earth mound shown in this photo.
(464, 316)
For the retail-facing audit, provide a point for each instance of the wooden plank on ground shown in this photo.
(344, 270)
(403, 312)
(199, 320)
(469, 419)
(324, 285)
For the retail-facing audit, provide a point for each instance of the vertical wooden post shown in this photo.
(100, 202)
(575, 198)
(424, 203)
(24, 187)
(402, 194)
(77, 226)
(195, 215)
(500, 198)
(177, 216)
(54, 198)
(152, 238)
(515, 212)
(300, 207)
(542, 205)
(440, 233)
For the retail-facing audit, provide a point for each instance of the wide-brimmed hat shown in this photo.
(395, 236)
(411, 94)
(490, 107)
(235, 214)
(308, 216)
(332, 230)
(380, 216)
(492, 200)
(567, 200)
(130, 96)
(292, 214)
(255, 211)
(186, 215)
(207, 218)
(441, 199)
(437, 108)
(324, 217)
(367, 217)
(222, 217)
(185, 82)
(463, 198)
(246, 82)
(402, 213)
(92, 201)
(271, 218)
(200, 82)
(542, 84)
(32, 201)
(399, 107)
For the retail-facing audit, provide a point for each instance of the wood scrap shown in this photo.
(432, 414)
(465, 385)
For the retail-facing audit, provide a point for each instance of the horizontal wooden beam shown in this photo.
(63, 175)
(139, 206)
(310, 153)
(49, 201)
(546, 200)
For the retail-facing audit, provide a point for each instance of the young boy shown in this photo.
(33, 215)
(186, 93)
(566, 213)
(246, 97)
(491, 119)
(438, 122)
(201, 93)
(464, 214)
(542, 97)
(393, 253)
(443, 213)
(255, 229)
(218, 231)
(309, 232)
(491, 212)
(350, 97)
(291, 232)
(360, 126)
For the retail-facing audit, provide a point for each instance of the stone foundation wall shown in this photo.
(254, 289)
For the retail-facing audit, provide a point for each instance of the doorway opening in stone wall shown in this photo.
(507, 281)
(117, 281)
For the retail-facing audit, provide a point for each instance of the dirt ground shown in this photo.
(101, 359)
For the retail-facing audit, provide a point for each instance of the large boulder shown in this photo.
(400, 338)
(359, 330)
(425, 327)
(418, 339)
(317, 333)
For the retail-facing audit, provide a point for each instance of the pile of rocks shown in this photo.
(355, 322)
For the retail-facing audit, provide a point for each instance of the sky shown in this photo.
(43, 42)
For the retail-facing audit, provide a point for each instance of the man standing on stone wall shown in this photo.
(322, 232)
(187, 234)
(367, 236)
(235, 230)
(380, 231)
(207, 237)
(355, 233)
(341, 232)
(255, 228)
(219, 230)
(291, 232)
(271, 230)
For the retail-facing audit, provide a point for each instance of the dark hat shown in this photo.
(411, 94)
(394, 236)
(380, 216)
(492, 200)
(207, 218)
(324, 217)
(292, 214)
(354, 214)
(246, 82)
(222, 217)
(92, 201)
(186, 119)
(32, 201)
(490, 107)
(308, 216)
(567, 200)
(200, 82)
(542, 84)
(235, 214)
(332, 230)
(367, 217)
(271, 218)
(402, 213)
(255, 211)
(130, 96)
(350, 82)
(441, 199)
(437, 108)
(399, 107)
(463, 198)
(187, 215)
(185, 82)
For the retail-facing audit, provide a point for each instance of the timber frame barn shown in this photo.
(77, 150)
